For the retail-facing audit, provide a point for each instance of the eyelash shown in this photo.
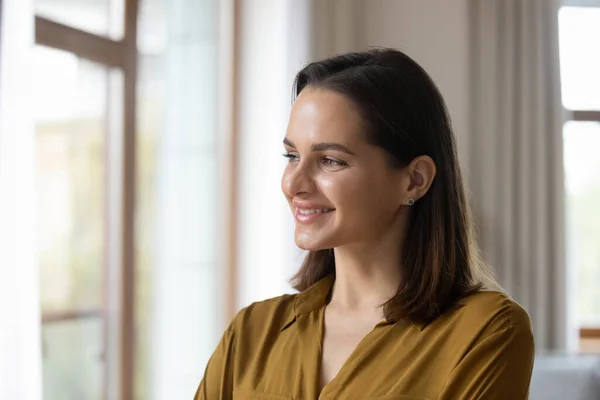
(290, 157)
(327, 161)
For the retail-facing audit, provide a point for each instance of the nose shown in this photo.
(297, 179)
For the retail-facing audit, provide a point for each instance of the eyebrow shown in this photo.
(322, 146)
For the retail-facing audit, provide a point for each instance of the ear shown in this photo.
(421, 172)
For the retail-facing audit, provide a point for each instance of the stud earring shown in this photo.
(411, 202)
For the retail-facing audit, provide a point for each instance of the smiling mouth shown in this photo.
(315, 211)
(309, 215)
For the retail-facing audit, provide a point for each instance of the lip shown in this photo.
(309, 218)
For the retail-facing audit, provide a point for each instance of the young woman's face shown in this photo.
(340, 189)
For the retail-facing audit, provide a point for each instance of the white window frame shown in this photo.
(585, 332)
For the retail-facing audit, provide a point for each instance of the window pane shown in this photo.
(580, 57)
(101, 17)
(70, 112)
(73, 359)
(582, 174)
(176, 265)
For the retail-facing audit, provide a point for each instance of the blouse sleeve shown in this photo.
(217, 383)
(498, 367)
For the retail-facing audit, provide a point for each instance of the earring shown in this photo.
(411, 202)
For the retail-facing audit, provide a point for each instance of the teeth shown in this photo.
(313, 211)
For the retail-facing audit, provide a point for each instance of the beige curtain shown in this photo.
(515, 165)
(335, 27)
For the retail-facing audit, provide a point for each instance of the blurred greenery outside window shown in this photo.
(70, 108)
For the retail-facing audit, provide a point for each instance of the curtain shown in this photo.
(335, 27)
(515, 166)
(20, 353)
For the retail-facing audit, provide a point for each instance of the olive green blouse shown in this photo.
(272, 351)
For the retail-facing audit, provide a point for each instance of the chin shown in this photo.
(312, 243)
(309, 247)
(305, 245)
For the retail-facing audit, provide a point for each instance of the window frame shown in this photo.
(585, 332)
(120, 54)
(580, 3)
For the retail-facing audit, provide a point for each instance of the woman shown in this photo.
(393, 301)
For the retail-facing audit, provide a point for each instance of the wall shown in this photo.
(435, 34)
(272, 46)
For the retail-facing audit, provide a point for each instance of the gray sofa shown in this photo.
(566, 377)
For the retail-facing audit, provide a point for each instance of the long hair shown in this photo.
(405, 115)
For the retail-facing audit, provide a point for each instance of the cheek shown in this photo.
(348, 191)
(360, 197)
(285, 183)
(335, 187)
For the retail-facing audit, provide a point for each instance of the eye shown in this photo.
(332, 162)
(291, 157)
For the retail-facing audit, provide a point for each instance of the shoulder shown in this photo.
(490, 312)
(264, 315)
(496, 305)
(489, 321)
(489, 343)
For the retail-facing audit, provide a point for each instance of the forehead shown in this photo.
(323, 115)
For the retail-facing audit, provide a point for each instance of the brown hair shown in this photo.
(406, 116)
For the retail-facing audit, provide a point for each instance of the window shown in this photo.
(84, 91)
(127, 175)
(100, 17)
(71, 116)
(178, 274)
(579, 34)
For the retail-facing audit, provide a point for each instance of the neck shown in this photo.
(367, 276)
